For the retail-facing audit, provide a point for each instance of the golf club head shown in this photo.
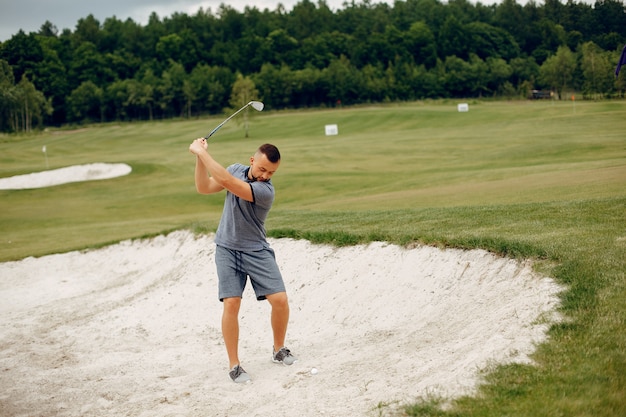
(257, 105)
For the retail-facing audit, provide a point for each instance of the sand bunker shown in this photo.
(76, 173)
(134, 329)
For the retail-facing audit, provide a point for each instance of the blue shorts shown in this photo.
(234, 267)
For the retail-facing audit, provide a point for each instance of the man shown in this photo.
(241, 247)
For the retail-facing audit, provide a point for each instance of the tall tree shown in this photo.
(343, 80)
(597, 70)
(419, 40)
(8, 96)
(51, 78)
(88, 30)
(452, 39)
(558, 70)
(23, 53)
(242, 93)
(86, 103)
(88, 64)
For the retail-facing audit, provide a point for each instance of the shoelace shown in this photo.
(282, 354)
(237, 371)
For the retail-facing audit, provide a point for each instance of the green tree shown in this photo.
(375, 83)
(558, 70)
(398, 80)
(275, 85)
(190, 91)
(283, 47)
(114, 98)
(51, 78)
(32, 105)
(524, 74)
(343, 81)
(8, 96)
(48, 30)
(456, 78)
(306, 20)
(88, 64)
(212, 86)
(452, 39)
(611, 18)
(148, 81)
(22, 106)
(23, 53)
(597, 70)
(487, 41)
(376, 49)
(169, 46)
(552, 37)
(243, 92)
(499, 73)
(427, 83)
(86, 103)
(121, 64)
(419, 40)
(308, 90)
(170, 95)
(88, 30)
(319, 50)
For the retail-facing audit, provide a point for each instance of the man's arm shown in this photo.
(219, 178)
(204, 183)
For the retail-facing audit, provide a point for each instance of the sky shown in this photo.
(30, 15)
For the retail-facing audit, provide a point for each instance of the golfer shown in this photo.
(242, 250)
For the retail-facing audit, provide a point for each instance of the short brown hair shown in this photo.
(270, 151)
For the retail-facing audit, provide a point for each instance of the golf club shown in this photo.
(256, 105)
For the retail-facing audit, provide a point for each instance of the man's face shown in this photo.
(261, 168)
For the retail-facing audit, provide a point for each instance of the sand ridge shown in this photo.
(74, 173)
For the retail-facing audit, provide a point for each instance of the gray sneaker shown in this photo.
(238, 375)
(284, 356)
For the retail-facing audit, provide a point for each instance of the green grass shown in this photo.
(522, 179)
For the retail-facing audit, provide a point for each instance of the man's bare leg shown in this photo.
(230, 329)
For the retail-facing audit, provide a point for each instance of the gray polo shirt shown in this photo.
(242, 226)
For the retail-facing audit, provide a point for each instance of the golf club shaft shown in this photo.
(224, 122)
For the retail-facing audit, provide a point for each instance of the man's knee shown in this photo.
(231, 305)
(278, 300)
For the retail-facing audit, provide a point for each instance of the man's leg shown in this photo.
(230, 329)
(280, 317)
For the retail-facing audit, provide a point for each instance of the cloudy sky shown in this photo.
(29, 15)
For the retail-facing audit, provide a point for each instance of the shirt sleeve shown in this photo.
(263, 193)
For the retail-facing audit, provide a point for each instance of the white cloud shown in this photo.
(30, 15)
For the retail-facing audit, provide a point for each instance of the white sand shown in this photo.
(133, 329)
(75, 173)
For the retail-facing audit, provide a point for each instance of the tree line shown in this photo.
(186, 65)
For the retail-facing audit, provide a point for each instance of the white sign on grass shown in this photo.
(463, 107)
(332, 130)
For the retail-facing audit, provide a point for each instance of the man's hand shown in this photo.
(198, 146)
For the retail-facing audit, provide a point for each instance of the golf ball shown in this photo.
(313, 371)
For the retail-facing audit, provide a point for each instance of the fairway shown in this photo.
(385, 158)
(543, 180)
